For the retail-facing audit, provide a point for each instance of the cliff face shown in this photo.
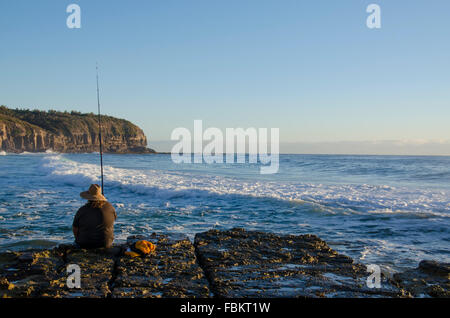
(38, 131)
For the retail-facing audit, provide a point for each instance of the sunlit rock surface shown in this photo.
(234, 263)
(257, 264)
(172, 271)
(38, 131)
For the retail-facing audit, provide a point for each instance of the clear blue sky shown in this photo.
(311, 68)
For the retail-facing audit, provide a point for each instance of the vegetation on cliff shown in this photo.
(35, 130)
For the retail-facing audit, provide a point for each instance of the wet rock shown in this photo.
(429, 279)
(5, 284)
(171, 271)
(96, 273)
(234, 263)
(241, 263)
(435, 268)
(28, 273)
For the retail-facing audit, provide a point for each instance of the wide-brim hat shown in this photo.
(93, 194)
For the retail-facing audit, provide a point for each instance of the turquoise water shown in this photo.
(385, 210)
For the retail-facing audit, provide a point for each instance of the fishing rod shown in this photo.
(99, 129)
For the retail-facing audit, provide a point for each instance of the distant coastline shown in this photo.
(35, 131)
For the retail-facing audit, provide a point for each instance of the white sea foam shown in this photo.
(344, 198)
(34, 194)
(3, 153)
(175, 228)
(46, 153)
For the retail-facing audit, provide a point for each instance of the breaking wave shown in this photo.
(354, 198)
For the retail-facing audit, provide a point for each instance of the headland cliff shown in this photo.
(68, 132)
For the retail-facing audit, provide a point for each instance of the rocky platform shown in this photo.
(234, 263)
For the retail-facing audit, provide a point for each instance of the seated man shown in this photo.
(93, 225)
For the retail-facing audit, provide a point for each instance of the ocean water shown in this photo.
(386, 210)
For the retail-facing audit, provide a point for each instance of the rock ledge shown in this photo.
(233, 263)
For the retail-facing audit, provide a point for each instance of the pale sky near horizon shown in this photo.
(310, 68)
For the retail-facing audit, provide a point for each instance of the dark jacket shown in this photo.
(95, 226)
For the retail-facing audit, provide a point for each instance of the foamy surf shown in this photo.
(362, 198)
(381, 210)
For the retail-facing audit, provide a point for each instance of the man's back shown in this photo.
(95, 225)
